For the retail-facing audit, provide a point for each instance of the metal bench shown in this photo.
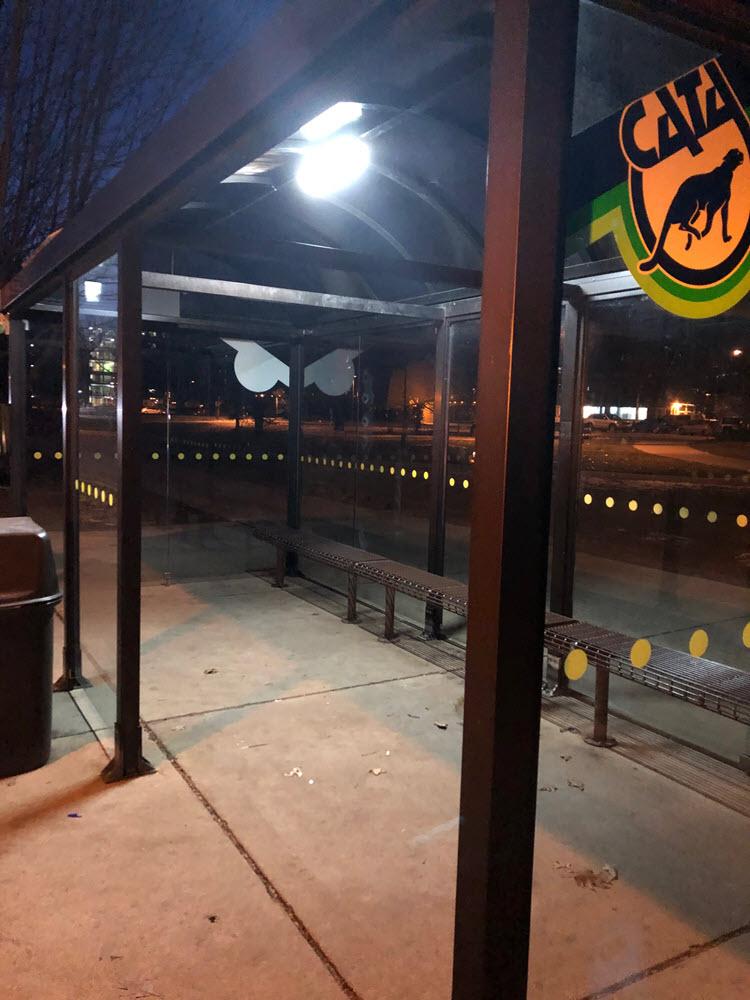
(713, 686)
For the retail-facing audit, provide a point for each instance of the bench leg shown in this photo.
(280, 566)
(390, 613)
(351, 598)
(599, 737)
(433, 621)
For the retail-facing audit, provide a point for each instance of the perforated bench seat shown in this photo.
(714, 686)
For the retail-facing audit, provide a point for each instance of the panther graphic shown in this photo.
(710, 193)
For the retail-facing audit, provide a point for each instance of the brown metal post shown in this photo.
(294, 444)
(18, 405)
(599, 737)
(72, 675)
(433, 617)
(530, 114)
(128, 760)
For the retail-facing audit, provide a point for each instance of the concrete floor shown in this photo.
(227, 875)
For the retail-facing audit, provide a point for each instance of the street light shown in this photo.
(737, 352)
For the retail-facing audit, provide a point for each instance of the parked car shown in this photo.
(733, 428)
(696, 426)
(602, 422)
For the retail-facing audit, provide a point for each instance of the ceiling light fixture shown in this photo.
(332, 166)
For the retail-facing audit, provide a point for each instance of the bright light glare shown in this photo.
(92, 291)
(331, 120)
(332, 166)
(737, 352)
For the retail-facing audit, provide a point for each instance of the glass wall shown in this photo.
(98, 485)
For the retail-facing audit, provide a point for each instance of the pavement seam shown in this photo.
(668, 963)
(297, 697)
(275, 894)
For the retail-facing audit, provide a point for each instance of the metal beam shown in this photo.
(72, 675)
(433, 620)
(316, 255)
(287, 296)
(17, 397)
(128, 760)
(533, 69)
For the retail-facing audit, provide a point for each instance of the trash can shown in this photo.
(28, 595)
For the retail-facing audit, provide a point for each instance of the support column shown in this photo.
(294, 444)
(128, 760)
(18, 404)
(533, 68)
(433, 617)
(72, 675)
(567, 473)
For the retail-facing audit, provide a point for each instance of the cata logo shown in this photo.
(685, 230)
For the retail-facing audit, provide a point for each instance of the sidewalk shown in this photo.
(226, 875)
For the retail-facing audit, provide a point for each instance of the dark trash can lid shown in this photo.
(27, 566)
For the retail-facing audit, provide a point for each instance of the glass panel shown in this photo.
(97, 486)
(625, 810)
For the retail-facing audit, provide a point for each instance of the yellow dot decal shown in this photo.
(249, 457)
(154, 455)
(348, 465)
(426, 475)
(576, 664)
(466, 484)
(96, 493)
(198, 456)
(657, 509)
(451, 481)
(264, 456)
(684, 513)
(392, 470)
(280, 457)
(97, 455)
(746, 636)
(372, 468)
(88, 489)
(742, 520)
(76, 484)
(180, 455)
(698, 642)
(403, 472)
(325, 461)
(361, 466)
(37, 455)
(640, 653)
(712, 517)
(609, 502)
(382, 468)
(587, 498)
(104, 497)
(632, 505)
(111, 499)
(215, 456)
(232, 456)
(58, 455)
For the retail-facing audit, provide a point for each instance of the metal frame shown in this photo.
(433, 620)
(128, 760)
(530, 116)
(72, 675)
